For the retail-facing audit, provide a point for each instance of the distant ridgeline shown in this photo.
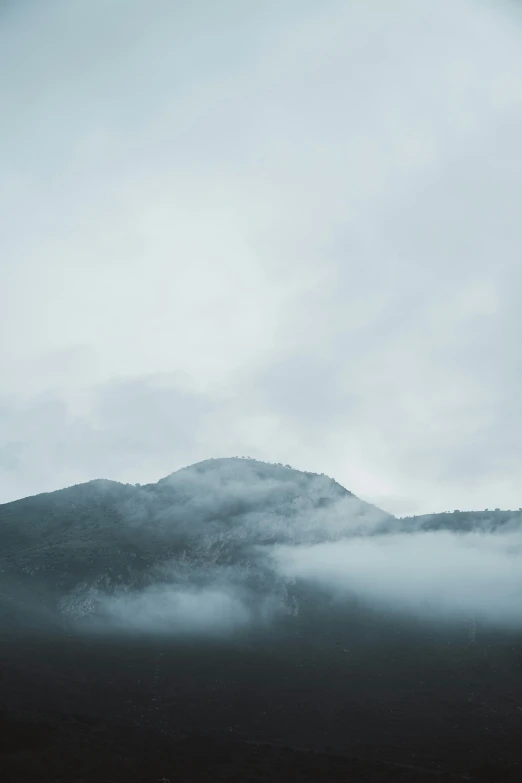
(487, 520)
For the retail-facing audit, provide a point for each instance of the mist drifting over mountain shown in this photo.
(229, 544)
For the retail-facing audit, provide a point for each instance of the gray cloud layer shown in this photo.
(285, 230)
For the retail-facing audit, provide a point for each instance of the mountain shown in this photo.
(74, 547)
(250, 602)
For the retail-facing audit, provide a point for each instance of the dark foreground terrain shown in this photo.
(123, 754)
(409, 707)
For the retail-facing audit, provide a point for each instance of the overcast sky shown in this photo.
(284, 229)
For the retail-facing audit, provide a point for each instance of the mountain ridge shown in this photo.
(202, 464)
(213, 463)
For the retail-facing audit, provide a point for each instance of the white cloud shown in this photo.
(435, 575)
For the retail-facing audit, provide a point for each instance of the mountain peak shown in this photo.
(242, 468)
